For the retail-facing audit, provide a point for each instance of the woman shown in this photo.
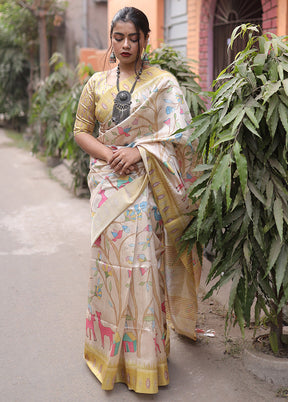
(139, 171)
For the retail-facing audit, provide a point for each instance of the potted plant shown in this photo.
(243, 190)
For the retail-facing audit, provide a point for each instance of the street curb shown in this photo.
(273, 370)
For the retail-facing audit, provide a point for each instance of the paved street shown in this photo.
(44, 260)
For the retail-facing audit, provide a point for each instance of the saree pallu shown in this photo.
(137, 284)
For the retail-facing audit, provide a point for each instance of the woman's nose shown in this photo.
(126, 44)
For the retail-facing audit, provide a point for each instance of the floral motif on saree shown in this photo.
(137, 283)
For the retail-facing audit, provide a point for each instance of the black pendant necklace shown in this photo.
(122, 102)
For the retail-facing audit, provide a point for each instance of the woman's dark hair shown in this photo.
(134, 15)
(138, 18)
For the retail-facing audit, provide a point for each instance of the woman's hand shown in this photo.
(124, 159)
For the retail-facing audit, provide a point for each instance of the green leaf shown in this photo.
(224, 138)
(250, 114)
(202, 168)
(239, 315)
(232, 115)
(270, 89)
(278, 215)
(238, 120)
(273, 103)
(202, 208)
(273, 122)
(269, 193)
(241, 163)
(281, 267)
(259, 61)
(233, 290)
(273, 254)
(280, 72)
(248, 203)
(285, 86)
(277, 165)
(256, 192)
(221, 173)
(247, 251)
(250, 126)
(283, 110)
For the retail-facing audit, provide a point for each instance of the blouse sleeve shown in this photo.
(85, 116)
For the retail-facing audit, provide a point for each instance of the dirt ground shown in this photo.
(229, 346)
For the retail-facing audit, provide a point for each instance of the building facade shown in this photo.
(200, 29)
(85, 27)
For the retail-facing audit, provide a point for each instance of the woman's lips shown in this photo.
(125, 54)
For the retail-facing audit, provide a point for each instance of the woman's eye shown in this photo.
(134, 40)
(118, 39)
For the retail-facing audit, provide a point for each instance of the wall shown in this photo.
(282, 17)
(194, 10)
(86, 26)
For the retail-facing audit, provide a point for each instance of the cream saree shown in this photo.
(137, 283)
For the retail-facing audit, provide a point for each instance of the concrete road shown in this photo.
(44, 259)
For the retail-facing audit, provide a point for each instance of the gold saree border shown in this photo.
(144, 378)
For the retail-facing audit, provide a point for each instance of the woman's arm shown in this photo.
(93, 147)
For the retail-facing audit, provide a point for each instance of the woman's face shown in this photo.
(125, 42)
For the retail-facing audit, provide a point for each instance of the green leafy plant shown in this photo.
(243, 190)
(53, 113)
(14, 67)
(171, 60)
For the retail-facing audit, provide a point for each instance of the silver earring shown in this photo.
(145, 59)
(112, 58)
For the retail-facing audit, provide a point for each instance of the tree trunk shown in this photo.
(43, 44)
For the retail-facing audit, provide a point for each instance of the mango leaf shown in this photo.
(228, 188)
(251, 79)
(285, 85)
(233, 290)
(278, 215)
(283, 110)
(241, 163)
(273, 122)
(247, 251)
(270, 89)
(202, 168)
(273, 103)
(248, 204)
(220, 175)
(273, 254)
(202, 208)
(250, 114)
(256, 192)
(281, 267)
(224, 138)
(239, 315)
(269, 193)
(258, 63)
(238, 120)
(277, 165)
(250, 126)
(273, 71)
(280, 72)
(232, 115)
